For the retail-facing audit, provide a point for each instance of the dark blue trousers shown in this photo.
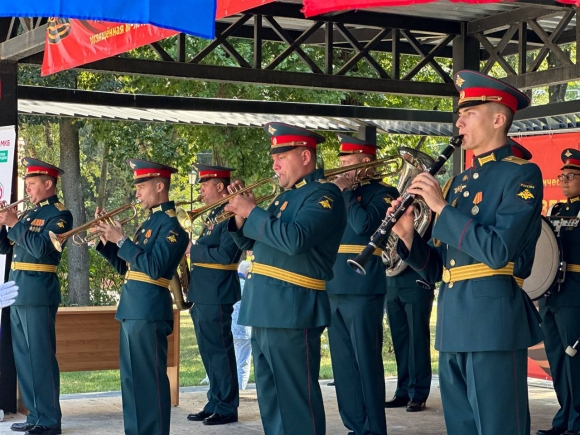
(561, 327)
(34, 345)
(356, 341)
(287, 363)
(144, 382)
(213, 329)
(485, 393)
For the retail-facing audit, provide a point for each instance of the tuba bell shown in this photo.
(415, 162)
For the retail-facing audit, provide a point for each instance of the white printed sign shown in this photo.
(7, 152)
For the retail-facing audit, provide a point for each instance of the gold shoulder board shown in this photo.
(59, 206)
(516, 160)
(171, 212)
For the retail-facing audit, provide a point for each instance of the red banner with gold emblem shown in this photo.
(70, 43)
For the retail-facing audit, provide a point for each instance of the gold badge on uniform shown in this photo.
(525, 192)
(326, 202)
(60, 224)
(465, 177)
(148, 233)
(459, 188)
(459, 81)
(284, 205)
(172, 237)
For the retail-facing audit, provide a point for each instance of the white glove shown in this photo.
(8, 293)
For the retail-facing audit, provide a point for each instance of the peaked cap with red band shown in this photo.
(35, 167)
(144, 170)
(571, 159)
(284, 137)
(476, 88)
(207, 172)
(352, 145)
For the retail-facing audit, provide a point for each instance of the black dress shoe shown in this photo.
(572, 432)
(43, 430)
(21, 427)
(397, 402)
(415, 406)
(216, 419)
(551, 431)
(200, 416)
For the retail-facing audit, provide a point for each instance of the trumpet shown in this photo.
(19, 213)
(182, 203)
(383, 232)
(225, 215)
(59, 239)
(368, 171)
(186, 218)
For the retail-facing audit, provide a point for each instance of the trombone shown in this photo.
(59, 239)
(368, 171)
(186, 218)
(19, 213)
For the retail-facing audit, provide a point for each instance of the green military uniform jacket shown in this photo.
(156, 250)
(493, 217)
(29, 242)
(300, 233)
(215, 248)
(569, 294)
(366, 207)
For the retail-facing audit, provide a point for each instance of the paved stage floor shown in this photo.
(100, 413)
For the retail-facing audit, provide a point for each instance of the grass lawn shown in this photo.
(192, 371)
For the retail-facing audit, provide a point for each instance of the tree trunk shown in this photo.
(78, 256)
(103, 180)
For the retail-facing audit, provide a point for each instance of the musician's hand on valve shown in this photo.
(95, 229)
(235, 186)
(111, 233)
(241, 206)
(343, 183)
(405, 226)
(8, 217)
(429, 189)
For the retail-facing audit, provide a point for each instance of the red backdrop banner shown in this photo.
(225, 8)
(317, 7)
(70, 43)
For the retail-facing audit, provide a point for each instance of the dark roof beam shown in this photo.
(506, 19)
(119, 65)
(26, 44)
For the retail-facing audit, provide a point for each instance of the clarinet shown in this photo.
(384, 230)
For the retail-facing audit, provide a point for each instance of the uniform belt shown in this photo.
(356, 249)
(290, 277)
(479, 270)
(217, 266)
(140, 276)
(573, 268)
(33, 267)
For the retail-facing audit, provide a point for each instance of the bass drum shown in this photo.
(546, 263)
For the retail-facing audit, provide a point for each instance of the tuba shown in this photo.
(415, 162)
(179, 286)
